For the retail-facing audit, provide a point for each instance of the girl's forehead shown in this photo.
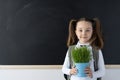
(84, 24)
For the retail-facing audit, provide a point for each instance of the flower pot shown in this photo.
(81, 69)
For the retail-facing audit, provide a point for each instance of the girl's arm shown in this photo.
(66, 65)
(101, 67)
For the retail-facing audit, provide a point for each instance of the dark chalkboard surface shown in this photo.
(34, 32)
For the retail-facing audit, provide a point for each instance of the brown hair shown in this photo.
(96, 39)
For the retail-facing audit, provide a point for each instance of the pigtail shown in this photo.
(72, 38)
(98, 42)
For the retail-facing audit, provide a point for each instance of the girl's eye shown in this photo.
(80, 30)
(87, 30)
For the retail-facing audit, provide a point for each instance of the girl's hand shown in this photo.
(88, 71)
(73, 71)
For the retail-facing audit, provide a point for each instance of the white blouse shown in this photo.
(96, 74)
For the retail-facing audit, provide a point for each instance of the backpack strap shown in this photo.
(96, 58)
(69, 54)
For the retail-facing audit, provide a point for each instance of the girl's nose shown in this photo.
(83, 32)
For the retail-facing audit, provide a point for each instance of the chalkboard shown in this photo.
(34, 32)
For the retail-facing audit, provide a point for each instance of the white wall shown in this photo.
(31, 74)
(47, 74)
(112, 74)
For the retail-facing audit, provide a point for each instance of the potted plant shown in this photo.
(81, 57)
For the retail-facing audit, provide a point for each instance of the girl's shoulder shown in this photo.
(72, 45)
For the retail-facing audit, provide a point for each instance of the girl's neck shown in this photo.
(83, 43)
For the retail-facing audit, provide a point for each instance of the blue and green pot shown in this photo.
(81, 69)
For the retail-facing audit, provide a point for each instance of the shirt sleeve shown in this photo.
(66, 65)
(101, 67)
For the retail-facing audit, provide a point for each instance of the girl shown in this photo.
(85, 32)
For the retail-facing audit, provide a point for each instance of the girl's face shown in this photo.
(84, 31)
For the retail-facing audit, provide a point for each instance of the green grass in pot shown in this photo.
(81, 55)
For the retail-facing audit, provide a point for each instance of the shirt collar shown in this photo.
(79, 44)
